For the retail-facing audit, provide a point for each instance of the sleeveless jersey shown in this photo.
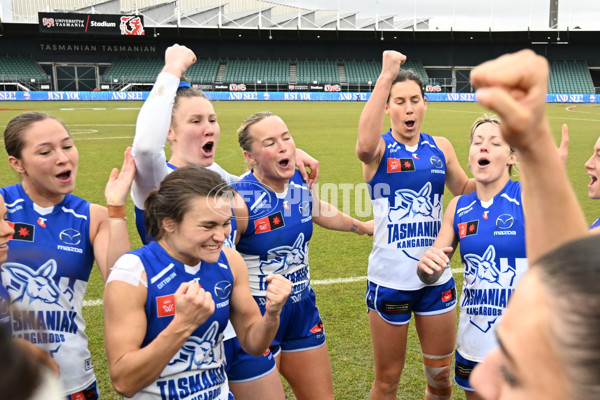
(407, 195)
(197, 370)
(492, 248)
(46, 274)
(139, 213)
(278, 232)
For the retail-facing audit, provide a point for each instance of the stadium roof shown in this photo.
(253, 14)
(443, 15)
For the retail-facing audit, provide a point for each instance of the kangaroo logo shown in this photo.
(29, 285)
(483, 267)
(409, 202)
(195, 352)
(283, 257)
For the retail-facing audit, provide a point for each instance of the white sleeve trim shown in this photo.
(129, 269)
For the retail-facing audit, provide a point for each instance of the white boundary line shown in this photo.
(103, 138)
(98, 302)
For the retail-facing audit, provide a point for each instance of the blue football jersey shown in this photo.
(197, 370)
(279, 230)
(46, 274)
(492, 249)
(4, 308)
(407, 194)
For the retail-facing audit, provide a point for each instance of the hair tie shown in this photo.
(184, 85)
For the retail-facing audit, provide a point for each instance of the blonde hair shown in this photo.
(243, 132)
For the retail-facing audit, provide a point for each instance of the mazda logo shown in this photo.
(505, 221)
(223, 290)
(304, 208)
(436, 162)
(70, 236)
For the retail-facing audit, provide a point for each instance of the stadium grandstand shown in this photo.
(267, 46)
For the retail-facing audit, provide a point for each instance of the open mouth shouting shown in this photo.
(65, 176)
(284, 163)
(209, 148)
(593, 181)
(483, 162)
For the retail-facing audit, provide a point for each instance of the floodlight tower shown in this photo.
(553, 22)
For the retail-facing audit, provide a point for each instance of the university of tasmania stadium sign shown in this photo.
(103, 24)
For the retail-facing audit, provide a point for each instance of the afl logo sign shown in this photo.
(70, 236)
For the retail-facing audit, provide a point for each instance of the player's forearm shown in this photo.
(260, 335)
(551, 208)
(151, 130)
(139, 368)
(370, 124)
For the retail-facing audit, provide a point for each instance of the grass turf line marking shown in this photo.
(105, 138)
(98, 302)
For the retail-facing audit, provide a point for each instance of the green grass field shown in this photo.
(327, 131)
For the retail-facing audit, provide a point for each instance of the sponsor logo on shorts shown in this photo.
(318, 328)
(449, 295)
(463, 371)
(396, 307)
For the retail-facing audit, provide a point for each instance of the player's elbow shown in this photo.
(124, 386)
(141, 149)
(365, 152)
(253, 347)
(257, 352)
(123, 389)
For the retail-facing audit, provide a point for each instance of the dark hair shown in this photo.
(571, 277)
(407, 75)
(20, 375)
(244, 138)
(16, 127)
(173, 196)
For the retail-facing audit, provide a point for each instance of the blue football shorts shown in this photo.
(462, 371)
(396, 306)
